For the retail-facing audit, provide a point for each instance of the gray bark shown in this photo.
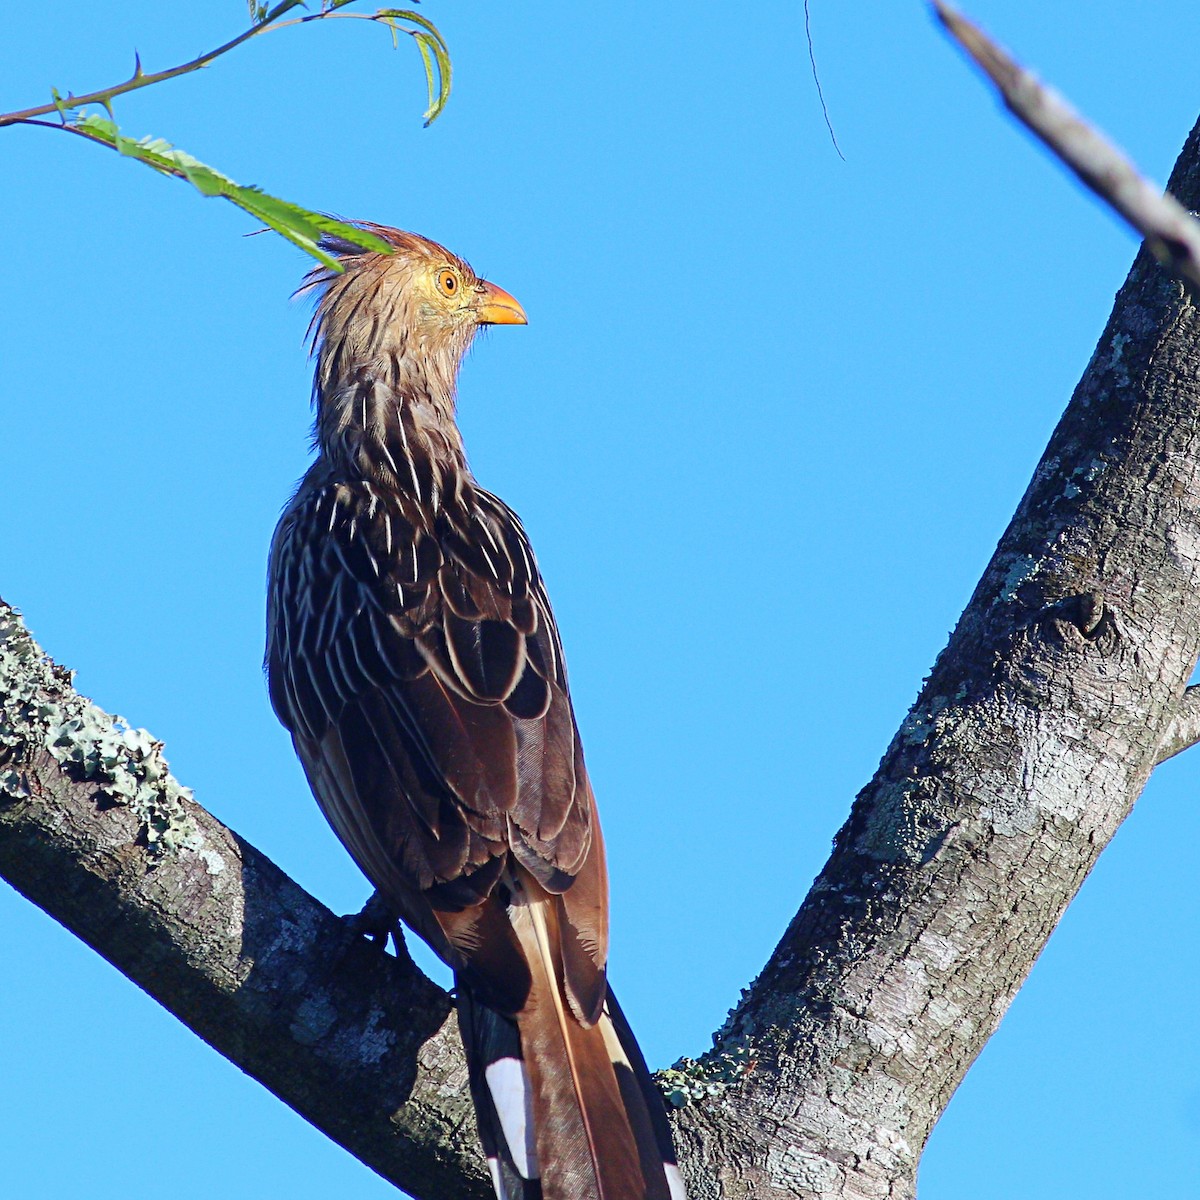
(97, 833)
(1028, 745)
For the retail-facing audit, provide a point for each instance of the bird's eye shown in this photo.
(447, 282)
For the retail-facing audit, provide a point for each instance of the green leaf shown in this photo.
(300, 226)
(434, 52)
(427, 59)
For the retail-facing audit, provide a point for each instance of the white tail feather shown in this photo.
(497, 1179)
(508, 1082)
(675, 1182)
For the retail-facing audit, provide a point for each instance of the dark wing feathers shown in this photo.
(473, 745)
(546, 765)
(419, 669)
(488, 656)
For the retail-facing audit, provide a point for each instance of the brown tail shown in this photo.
(566, 1111)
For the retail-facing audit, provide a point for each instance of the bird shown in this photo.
(413, 656)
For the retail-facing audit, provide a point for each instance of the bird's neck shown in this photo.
(392, 423)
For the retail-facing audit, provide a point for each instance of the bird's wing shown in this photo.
(417, 664)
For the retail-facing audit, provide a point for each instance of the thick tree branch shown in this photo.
(1027, 747)
(94, 831)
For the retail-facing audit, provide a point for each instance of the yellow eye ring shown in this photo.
(447, 282)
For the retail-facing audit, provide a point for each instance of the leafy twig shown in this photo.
(139, 78)
(435, 54)
(301, 226)
(429, 40)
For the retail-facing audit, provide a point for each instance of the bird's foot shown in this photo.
(377, 921)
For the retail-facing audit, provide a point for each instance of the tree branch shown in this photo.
(1171, 234)
(1025, 750)
(94, 830)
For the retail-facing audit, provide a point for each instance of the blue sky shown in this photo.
(769, 417)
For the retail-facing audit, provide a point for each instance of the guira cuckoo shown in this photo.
(413, 655)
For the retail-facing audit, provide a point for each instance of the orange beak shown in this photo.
(499, 308)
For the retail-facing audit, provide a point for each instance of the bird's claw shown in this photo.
(378, 920)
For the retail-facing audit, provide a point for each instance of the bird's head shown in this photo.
(411, 313)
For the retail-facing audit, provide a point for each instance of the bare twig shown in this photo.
(1184, 730)
(812, 58)
(1170, 232)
